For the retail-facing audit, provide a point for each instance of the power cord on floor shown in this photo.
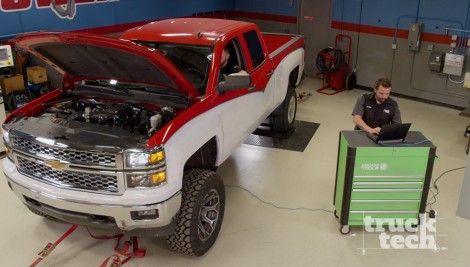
(433, 199)
(274, 205)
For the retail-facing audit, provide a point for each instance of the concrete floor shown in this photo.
(257, 234)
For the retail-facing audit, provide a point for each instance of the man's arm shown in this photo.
(397, 116)
(358, 112)
(240, 73)
(363, 126)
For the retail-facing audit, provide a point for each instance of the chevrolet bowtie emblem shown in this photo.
(55, 164)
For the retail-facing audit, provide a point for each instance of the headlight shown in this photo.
(146, 168)
(142, 159)
(6, 135)
(146, 179)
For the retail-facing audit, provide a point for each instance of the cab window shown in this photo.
(255, 48)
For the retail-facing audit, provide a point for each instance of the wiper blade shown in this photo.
(133, 94)
(152, 89)
(100, 90)
(128, 86)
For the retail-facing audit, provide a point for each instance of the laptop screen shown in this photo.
(392, 132)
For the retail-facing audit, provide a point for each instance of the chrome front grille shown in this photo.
(69, 155)
(95, 182)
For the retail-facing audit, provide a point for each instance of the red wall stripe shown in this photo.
(436, 38)
(403, 34)
(353, 27)
(270, 17)
(112, 29)
(221, 15)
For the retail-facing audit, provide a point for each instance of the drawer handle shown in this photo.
(387, 190)
(385, 201)
(387, 183)
(393, 177)
(384, 211)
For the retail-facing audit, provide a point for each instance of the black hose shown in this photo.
(330, 60)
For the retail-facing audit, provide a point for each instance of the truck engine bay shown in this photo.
(133, 118)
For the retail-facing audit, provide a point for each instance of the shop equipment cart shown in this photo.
(334, 66)
(381, 181)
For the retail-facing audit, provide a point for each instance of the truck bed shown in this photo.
(279, 44)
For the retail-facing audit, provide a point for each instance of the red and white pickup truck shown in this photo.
(132, 138)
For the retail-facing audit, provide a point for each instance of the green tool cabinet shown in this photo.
(381, 181)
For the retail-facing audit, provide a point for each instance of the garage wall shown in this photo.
(102, 16)
(374, 25)
(279, 7)
(109, 16)
(269, 15)
(378, 25)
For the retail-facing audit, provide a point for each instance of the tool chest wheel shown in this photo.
(344, 229)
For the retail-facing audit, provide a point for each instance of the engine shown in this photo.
(133, 118)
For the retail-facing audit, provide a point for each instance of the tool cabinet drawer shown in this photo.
(383, 166)
(384, 194)
(396, 217)
(389, 178)
(385, 205)
(387, 185)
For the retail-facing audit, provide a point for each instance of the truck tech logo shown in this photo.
(62, 8)
(397, 233)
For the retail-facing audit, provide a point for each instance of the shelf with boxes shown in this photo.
(37, 80)
(14, 91)
(17, 92)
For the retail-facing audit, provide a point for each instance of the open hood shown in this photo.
(98, 57)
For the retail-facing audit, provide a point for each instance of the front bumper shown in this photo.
(112, 217)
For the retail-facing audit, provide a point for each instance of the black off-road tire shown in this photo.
(283, 117)
(203, 199)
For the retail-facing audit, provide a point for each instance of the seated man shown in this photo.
(227, 66)
(372, 110)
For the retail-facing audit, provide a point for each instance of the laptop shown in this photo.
(391, 133)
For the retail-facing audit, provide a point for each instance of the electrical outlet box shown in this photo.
(414, 36)
(436, 61)
(6, 57)
(453, 64)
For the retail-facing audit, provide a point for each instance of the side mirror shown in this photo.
(234, 82)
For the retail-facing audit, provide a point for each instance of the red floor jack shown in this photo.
(333, 65)
(119, 258)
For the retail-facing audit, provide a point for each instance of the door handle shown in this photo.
(252, 87)
(270, 73)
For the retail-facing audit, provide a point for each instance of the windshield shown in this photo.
(192, 60)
